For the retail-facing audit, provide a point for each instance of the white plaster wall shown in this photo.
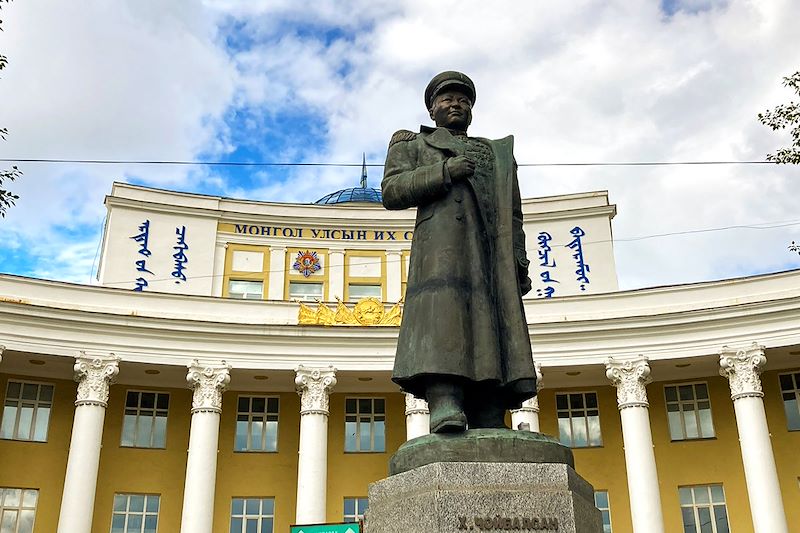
(130, 205)
(598, 254)
(244, 261)
(121, 252)
(364, 266)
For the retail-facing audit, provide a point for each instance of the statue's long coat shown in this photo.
(463, 314)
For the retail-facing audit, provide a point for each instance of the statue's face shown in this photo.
(452, 109)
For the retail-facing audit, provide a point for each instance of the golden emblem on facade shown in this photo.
(367, 312)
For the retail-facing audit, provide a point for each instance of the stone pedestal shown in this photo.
(482, 480)
(457, 497)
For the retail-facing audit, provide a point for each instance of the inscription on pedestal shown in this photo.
(481, 497)
(507, 523)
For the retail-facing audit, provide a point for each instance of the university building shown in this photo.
(231, 373)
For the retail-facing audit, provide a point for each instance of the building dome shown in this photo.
(362, 193)
(352, 194)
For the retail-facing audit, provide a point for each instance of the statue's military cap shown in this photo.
(449, 78)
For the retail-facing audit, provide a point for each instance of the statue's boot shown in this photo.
(446, 404)
(483, 412)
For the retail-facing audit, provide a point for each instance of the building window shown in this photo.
(305, 291)
(354, 509)
(17, 509)
(357, 292)
(257, 424)
(364, 426)
(790, 391)
(256, 515)
(145, 423)
(703, 509)
(135, 513)
(601, 502)
(26, 412)
(246, 290)
(578, 419)
(689, 411)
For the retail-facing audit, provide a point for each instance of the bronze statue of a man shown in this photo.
(463, 344)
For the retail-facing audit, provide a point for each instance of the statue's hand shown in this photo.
(460, 167)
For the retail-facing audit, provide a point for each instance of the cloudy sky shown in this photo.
(324, 81)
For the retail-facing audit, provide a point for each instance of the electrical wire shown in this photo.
(312, 164)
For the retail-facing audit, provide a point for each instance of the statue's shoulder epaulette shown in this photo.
(402, 135)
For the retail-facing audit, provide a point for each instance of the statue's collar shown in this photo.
(429, 129)
(442, 138)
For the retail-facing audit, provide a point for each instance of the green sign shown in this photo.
(326, 528)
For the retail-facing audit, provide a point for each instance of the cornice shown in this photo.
(581, 212)
(348, 217)
(243, 210)
(174, 329)
(201, 212)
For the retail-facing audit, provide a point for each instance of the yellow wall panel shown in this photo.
(258, 474)
(144, 470)
(41, 465)
(785, 446)
(350, 473)
(700, 461)
(602, 466)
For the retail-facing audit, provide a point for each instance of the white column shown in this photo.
(277, 273)
(527, 417)
(394, 277)
(94, 375)
(742, 368)
(314, 386)
(335, 268)
(418, 417)
(2, 349)
(208, 381)
(630, 378)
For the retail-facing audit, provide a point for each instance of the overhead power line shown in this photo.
(313, 164)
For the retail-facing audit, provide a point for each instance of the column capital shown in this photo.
(416, 406)
(94, 374)
(630, 377)
(314, 386)
(208, 381)
(742, 367)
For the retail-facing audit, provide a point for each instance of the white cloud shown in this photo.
(132, 80)
(594, 80)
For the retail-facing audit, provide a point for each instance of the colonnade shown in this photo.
(96, 373)
(742, 368)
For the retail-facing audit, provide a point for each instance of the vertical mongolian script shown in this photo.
(576, 245)
(141, 264)
(547, 263)
(179, 257)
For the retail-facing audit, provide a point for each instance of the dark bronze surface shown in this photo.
(480, 446)
(464, 344)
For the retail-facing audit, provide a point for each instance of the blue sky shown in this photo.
(278, 81)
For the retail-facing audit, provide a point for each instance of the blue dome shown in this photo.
(353, 194)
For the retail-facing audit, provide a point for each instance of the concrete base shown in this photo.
(475, 496)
